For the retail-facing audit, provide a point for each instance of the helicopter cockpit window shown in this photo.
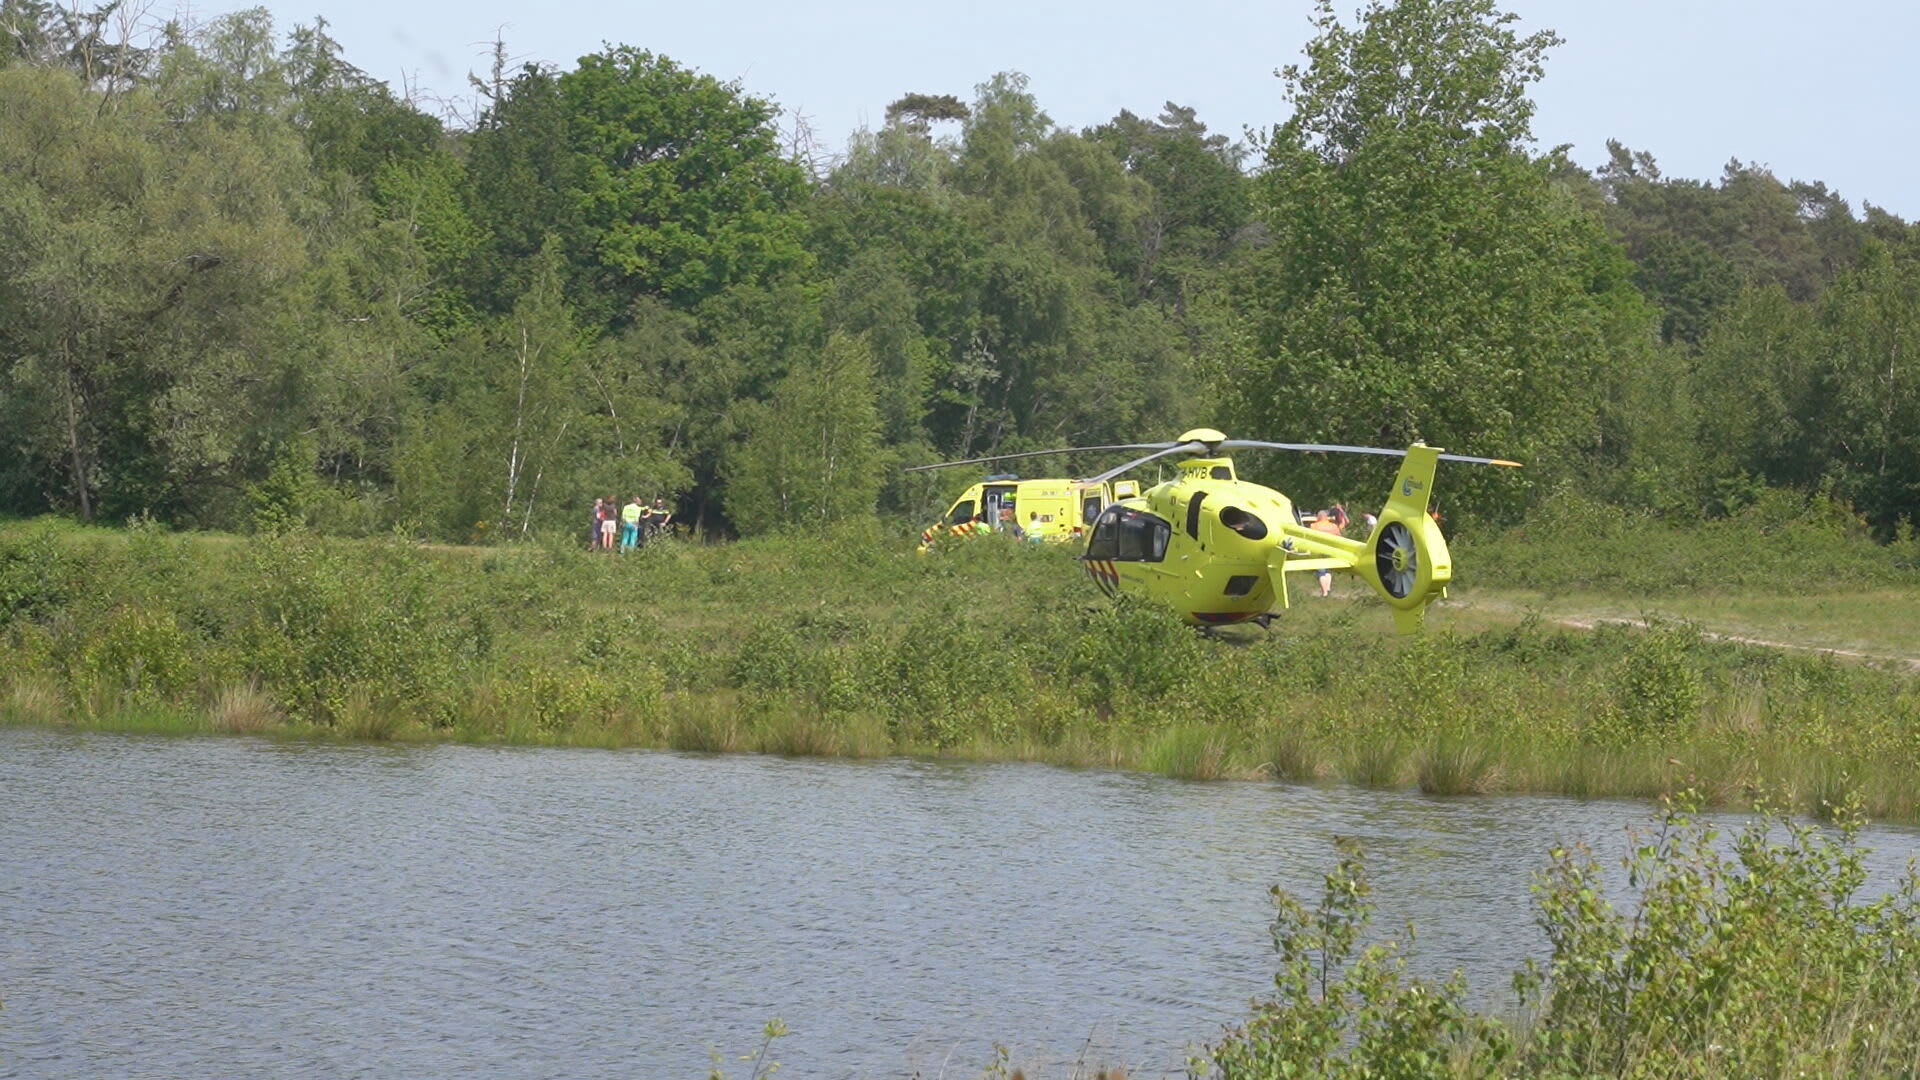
(961, 512)
(1123, 535)
(1193, 513)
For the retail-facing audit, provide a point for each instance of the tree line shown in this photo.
(241, 282)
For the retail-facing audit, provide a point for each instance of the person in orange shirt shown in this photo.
(1323, 522)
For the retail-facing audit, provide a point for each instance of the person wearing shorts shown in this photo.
(609, 521)
(1323, 522)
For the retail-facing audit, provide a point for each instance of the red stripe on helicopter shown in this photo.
(1103, 575)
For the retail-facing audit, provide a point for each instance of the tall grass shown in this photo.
(1452, 765)
(847, 644)
(1188, 753)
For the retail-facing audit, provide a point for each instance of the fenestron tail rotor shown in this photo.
(1396, 559)
(1409, 562)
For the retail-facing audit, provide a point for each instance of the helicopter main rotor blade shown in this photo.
(1165, 451)
(1326, 448)
(1039, 453)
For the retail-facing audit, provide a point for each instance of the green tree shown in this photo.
(1870, 323)
(1754, 377)
(1695, 245)
(519, 427)
(144, 268)
(657, 179)
(1199, 201)
(919, 112)
(95, 44)
(523, 185)
(681, 176)
(1425, 276)
(811, 456)
(1821, 395)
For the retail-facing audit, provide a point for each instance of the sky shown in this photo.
(1822, 92)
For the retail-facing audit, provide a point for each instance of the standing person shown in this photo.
(1033, 526)
(661, 515)
(593, 527)
(1323, 522)
(609, 521)
(630, 524)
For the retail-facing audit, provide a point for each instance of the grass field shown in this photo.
(850, 644)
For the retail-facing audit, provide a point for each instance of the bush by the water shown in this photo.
(1749, 956)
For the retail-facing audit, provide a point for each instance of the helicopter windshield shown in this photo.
(1124, 535)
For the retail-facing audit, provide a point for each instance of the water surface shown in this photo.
(231, 907)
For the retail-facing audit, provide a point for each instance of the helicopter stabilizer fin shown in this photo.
(1413, 488)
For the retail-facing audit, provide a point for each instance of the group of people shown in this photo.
(624, 528)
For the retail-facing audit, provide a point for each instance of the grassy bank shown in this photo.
(852, 645)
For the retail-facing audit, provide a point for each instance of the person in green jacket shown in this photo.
(630, 524)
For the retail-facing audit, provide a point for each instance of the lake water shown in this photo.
(240, 908)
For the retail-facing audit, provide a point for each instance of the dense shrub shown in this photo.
(1749, 957)
(1782, 541)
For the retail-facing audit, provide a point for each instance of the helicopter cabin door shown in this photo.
(1127, 546)
(998, 507)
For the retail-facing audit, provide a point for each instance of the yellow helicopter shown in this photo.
(1218, 549)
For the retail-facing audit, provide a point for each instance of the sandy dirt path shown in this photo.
(1590, 621)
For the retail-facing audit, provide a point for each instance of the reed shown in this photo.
(243, 709)
(1454, 765)
(1293, 755)
(794, 732)
(361, 717)
(1375, 763)
(1187, 752)
(33, 699)
(706, 730)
